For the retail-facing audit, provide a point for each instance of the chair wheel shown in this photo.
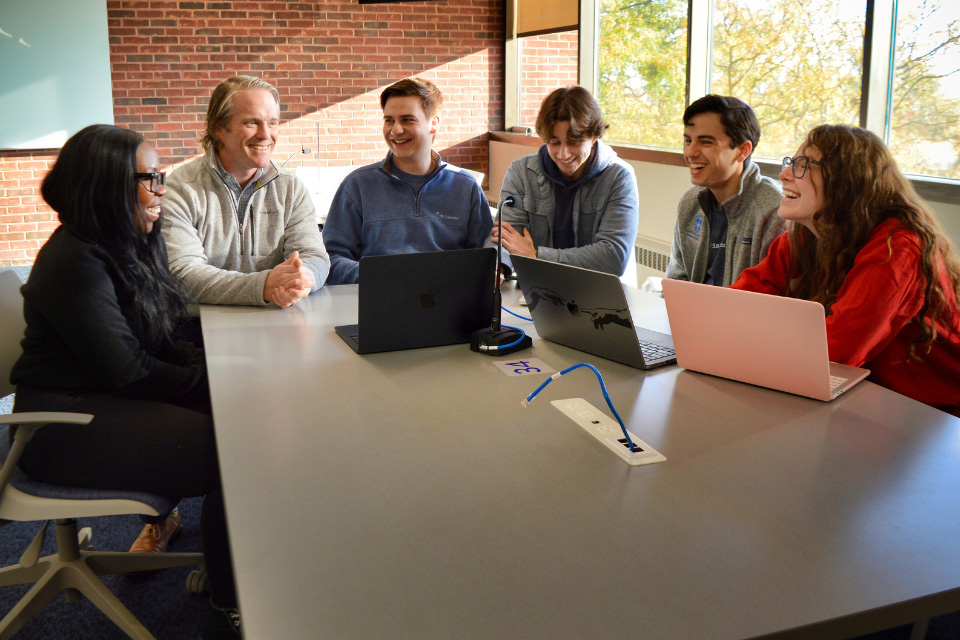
(197, 581)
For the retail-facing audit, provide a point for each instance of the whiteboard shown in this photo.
(54, 71)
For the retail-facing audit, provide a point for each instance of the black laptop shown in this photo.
(414, 300)
(587, 310)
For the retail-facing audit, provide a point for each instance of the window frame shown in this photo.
(877, 83)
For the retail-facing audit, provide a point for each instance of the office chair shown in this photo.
(75, 568)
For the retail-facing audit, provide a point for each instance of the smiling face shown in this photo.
(249, 135)
(570, 154)
(409, 133)
(147, 162)
(712, 162)
(802, 197)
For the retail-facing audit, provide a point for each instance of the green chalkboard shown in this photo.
(54, 71)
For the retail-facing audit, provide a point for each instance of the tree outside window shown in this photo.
(924, 130)
(798, 64)
(642, 61)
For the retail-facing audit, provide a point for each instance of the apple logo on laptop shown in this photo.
(428, 300)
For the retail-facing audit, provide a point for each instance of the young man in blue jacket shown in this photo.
(409, 202)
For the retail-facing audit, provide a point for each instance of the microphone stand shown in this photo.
(302, 150)
(491, 341)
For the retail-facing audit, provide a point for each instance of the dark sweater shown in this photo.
(84, 334)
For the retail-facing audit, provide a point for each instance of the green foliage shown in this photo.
(798, 64)
(925, 124)
(642, 63)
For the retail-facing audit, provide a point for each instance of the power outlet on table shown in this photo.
(608, 431)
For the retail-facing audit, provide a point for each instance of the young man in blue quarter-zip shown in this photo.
(409, 202)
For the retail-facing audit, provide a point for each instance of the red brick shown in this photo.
(329, 59)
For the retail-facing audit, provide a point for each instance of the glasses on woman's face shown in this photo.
(798, 165)
(156, 179)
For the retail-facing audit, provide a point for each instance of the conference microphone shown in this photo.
(302, 150)
(497, 341)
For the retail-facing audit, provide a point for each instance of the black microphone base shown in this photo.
(489, 341)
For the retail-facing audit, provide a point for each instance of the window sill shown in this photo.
(929, 188)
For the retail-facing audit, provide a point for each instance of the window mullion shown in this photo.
(587, 42)
(511, 69)
(878, 64)
(699, 48)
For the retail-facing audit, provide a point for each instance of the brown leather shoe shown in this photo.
(155, 537)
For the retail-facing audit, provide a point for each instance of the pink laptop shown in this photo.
(770, 341)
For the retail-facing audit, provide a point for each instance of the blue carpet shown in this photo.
(159, 600)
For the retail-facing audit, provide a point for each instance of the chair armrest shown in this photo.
(43, 417)
(28, 423)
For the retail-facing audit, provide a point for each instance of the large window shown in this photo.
(924, 123)
(642, 57)
(798, 64)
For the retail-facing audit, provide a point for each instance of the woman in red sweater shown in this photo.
(866, 247)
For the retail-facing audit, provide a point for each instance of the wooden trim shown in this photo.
(543, 32)
(516, 138)
(547, 16)
(932, 189)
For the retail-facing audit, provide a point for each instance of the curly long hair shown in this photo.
(92, 189)
(862, 188)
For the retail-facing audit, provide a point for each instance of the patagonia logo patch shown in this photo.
(746, 240)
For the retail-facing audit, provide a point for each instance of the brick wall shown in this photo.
(329, 60)
(546, 63)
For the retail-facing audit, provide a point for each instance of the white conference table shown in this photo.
(409, 495)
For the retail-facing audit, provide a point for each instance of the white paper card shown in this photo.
(524, 366)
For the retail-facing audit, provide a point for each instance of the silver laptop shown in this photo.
(770, 341)
(587, 310)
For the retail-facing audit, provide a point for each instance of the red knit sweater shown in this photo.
(873, 318)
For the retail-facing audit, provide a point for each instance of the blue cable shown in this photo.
(516, 314)
(515, 343)
(603, 388)
(506, 346)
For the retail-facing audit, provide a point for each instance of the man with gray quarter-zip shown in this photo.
(240, 230)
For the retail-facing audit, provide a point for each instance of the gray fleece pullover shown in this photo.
(223, 256)
(752, 226)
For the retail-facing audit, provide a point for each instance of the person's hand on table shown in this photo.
(288, 282)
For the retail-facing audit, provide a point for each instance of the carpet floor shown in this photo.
(159, 600)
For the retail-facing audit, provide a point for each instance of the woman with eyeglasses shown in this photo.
(102, 312)
(864, 245)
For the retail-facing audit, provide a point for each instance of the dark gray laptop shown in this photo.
(587, 310)
(414, 300)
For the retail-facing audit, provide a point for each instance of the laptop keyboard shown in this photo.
(836, 381)
(653, 352)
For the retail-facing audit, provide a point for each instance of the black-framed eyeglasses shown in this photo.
(798, 165)
(156, 178)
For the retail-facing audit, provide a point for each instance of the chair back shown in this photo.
(12, 325)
